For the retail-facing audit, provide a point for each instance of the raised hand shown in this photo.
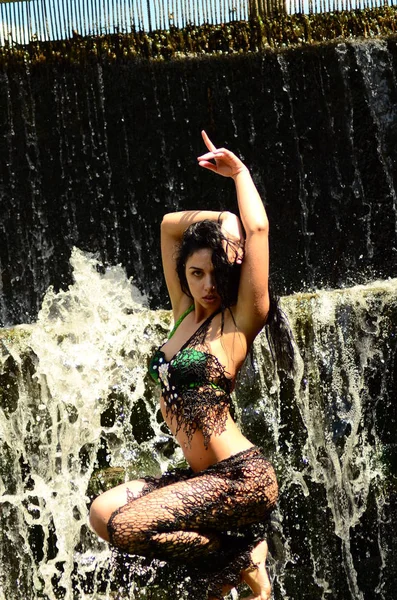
(225, 162)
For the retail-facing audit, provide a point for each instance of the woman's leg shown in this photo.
(104, 506)
(175, 522)
(260, 479)
(186, 521)
(108, 502)
(257, 578)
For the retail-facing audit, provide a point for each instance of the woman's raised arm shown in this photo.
(253, 295)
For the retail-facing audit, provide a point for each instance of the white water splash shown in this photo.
(90, 342)
(88, 352)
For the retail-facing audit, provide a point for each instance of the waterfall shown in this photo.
(79, 412)
(70, 386)
(82, 167)
(97, 144)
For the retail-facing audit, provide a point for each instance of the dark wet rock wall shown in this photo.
(93, 153)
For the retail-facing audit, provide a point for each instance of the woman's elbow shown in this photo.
(168, 224)
(167, 219)
(261, 227)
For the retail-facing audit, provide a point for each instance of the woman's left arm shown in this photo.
(253, 297)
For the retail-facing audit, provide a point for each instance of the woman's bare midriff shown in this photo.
(222, 446)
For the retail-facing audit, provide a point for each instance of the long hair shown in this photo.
(208, 235)
(279, 335)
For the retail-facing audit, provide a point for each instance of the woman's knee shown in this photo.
(107, 503)
(99, 516)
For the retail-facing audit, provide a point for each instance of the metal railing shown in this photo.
(324, 6)
(23, 21)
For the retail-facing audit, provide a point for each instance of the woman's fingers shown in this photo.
(206, 156)
(207, 141)
(233, 249)
(208, 165)
(225, 162)
(218, 154)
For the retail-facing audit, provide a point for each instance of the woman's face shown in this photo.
(201, 280)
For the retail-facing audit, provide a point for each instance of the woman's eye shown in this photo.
(197, 273)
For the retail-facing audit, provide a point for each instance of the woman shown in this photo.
(218, 286)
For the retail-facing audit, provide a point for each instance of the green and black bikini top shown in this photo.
(194, 384)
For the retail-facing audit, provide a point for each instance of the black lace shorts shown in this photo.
(210, 520)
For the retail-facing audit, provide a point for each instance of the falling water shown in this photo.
(72, 386)
(78, 411)
(80, 166)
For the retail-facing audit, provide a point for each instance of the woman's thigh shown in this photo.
(105, 505)
(204, 502)
(183, 501)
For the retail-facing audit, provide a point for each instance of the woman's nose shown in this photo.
(209, 283)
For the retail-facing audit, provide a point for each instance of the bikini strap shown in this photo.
(179, 321)
(200, 332)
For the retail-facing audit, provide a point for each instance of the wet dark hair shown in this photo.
(279, 335)
(208, 235)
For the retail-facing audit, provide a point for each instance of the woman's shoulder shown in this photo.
(245, 323)
(178, 320)
(182, 308)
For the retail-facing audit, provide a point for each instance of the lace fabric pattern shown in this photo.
(209, 521)
(195, 386)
